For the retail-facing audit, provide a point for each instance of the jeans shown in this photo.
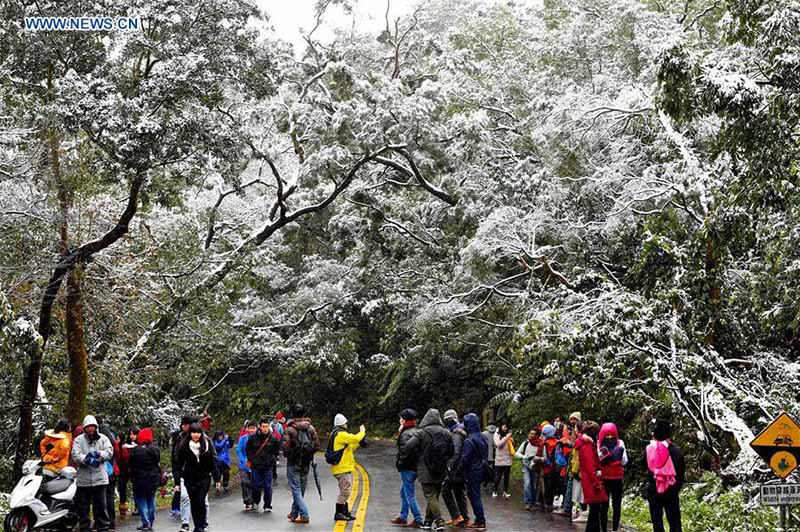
(408, 498)
(474, 492)
(94, 497)
(198, 501)
(246, 484)
(147, 508)
(432, 491)
(567, 506)
(614, 489)
(669, 504)
(262, 481)
(298, 479)
(186, 504)
(530, 481)
(455, 498)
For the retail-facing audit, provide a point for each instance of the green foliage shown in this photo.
(706, 506)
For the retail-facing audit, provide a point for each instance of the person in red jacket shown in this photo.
(613, 459)
(594, 494)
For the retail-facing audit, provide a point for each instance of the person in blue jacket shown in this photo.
(474, 461)
(222, 467)
(245, 473)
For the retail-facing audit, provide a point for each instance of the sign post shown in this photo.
(779, 446)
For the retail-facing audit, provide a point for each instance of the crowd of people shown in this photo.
(574, 469)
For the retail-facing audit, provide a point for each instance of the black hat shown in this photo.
(662, 429)
(408, 414)
(298, 411)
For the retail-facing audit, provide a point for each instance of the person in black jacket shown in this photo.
(669, 501)
(407, 466)
(144, 464)
(454, 491)
(194, 467)
(262, 450)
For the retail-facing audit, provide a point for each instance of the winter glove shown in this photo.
(616, 454)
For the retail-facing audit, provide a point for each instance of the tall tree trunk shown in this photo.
(76, 349)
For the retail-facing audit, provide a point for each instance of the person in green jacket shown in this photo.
(346, 444)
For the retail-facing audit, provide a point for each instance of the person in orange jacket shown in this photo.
(56, 446)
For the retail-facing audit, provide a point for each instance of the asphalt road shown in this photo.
(377, 502)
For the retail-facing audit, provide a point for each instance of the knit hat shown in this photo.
(576, 415)
(339, 420)
(450, 414)
(408, 414)
(548, 431)
(279, 416)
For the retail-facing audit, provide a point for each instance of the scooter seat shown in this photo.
(57, 485)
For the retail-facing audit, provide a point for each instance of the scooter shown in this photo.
(39, 505)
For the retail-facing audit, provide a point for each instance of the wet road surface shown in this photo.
(377, 501)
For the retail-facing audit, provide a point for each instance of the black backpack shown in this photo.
(304, 450)
(440, 451)
(331, 456)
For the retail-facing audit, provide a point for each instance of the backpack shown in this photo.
(331, 456)
(304, 449)
(659, 462)
(439, 452)
(561, 460)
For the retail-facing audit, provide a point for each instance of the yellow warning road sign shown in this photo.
(779, 444)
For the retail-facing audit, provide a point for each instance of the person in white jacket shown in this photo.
(503, 443)
(531, 452)
(90, 451)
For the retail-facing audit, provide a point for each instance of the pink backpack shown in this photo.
(659, 461)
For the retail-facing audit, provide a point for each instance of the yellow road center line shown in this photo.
(341, 526)
(361, 515)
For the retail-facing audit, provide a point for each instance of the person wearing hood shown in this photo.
(194, 467)
(262, 450)
(666, 473)
(613, 459)
(112, 468)
(55, 448)
(433, 446)
(222, 477)
(144, 461)
(488, 436)
(475, 465)
(245, 472)
(594, 494)
(90, 451)
(531, 452)
(344, 443)
(550, 471)
(407, 467)
(454, 491)
(503, 458)
(300, 443)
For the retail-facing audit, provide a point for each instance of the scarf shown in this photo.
(195, 448)
(409, 423)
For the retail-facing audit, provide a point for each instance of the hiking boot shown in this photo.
(439, 526)
(398, 522)
(340, 515)
(350, 517)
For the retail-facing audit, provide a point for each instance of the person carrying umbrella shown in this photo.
(341, 456)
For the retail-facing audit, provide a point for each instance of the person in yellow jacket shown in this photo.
(343, 446)
(55, 447)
